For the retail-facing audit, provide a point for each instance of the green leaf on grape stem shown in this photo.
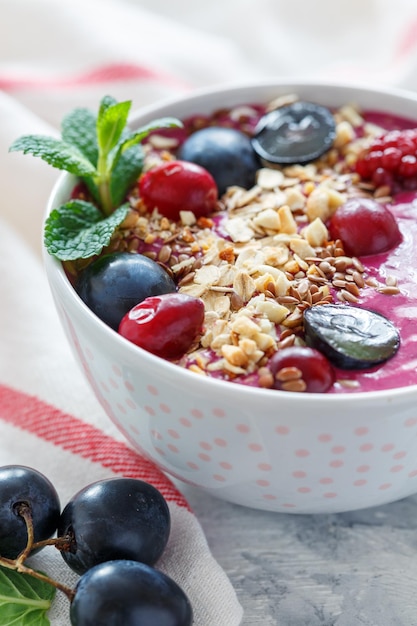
(24, 600)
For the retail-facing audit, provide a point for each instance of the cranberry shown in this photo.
(165, 325)
(365, 227)
(395, 154)
(176, 186)
(306, 365)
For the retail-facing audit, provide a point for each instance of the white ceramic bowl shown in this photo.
(279, 451)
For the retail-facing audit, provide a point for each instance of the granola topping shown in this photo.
(265, 255)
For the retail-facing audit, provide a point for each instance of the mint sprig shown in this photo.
(107, 156)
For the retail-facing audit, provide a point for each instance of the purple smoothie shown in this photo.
(401, 308)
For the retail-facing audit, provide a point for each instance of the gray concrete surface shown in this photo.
(348, 569)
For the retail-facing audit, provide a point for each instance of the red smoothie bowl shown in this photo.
(213, 419)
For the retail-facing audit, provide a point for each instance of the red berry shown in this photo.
(301, 364)
(365, 227)
(374, 159)
(165, 325)
(382, 177)
(363, 168)
(408, 166)
(391, 158)
(395, 154)
(176, 186)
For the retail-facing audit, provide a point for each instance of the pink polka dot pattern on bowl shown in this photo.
(325, 438)
(271, 460)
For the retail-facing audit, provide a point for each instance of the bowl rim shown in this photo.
(236, 87)
(55, 270)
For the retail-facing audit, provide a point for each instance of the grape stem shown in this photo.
(18, 564)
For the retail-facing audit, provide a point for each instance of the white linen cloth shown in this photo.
(55, 56)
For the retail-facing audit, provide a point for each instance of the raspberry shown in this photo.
(391, 160)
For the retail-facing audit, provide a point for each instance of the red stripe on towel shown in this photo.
(35, 416)
(407, 40)
(111, 73)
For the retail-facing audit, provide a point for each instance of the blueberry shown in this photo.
(127, 593)
(295, 133)
(118, 518)
(226, 153)
(20, 484)
(350, 337)
(114, 283)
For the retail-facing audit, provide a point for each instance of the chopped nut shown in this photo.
(323, 202)
(351, 114)
(187, 218)
(288, 223)
(281, 282)
(275, 312)
(295, 199)
(269, 179)
(235, 355)
(302, 248)
(316, 233)
(268, 219)
(242, 325)
(130, 220)
(344, 134)
(265, 342)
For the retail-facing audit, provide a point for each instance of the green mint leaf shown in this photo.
(24, 600)
(105, 103)
(139, 135)
(79, 129)
(126, 171)
(56, 152)
(128, 159)
(111, 123)
(77, 230)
